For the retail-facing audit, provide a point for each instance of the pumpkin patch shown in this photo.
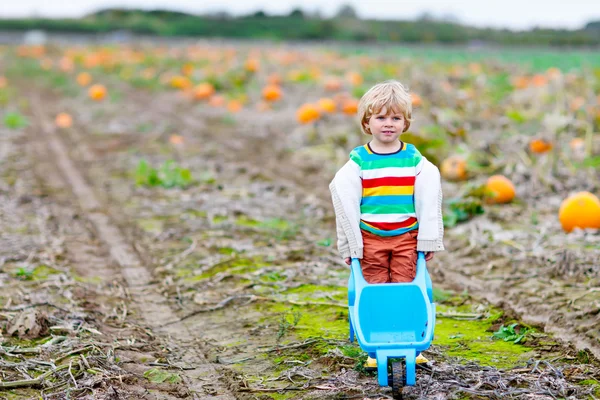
(210, 163)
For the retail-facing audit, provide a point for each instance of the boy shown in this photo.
(387, 197)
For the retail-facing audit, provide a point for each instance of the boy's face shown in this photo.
(386, 127)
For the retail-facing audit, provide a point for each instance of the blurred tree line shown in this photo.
(298, 25)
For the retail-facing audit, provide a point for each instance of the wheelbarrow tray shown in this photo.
(392, 320)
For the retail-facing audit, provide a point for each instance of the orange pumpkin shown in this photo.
(252, 65)
(578, 150)
(333, 84)
(234, 106)
(3, 82)
(539, 80)
(84, 78)
(307, 113)
(577, 145)
(63, 120)
(416, 100)
(350, 106)
(454, 168)
(581, 210)
(180, 82)
(97, 92)
(187, 69)
(91, 61)
(176, 139)
(203, 91)
(540, 146)
(326, 105)
(475, 68)
(31, 51)
(217, 101)
(500, 189)
(354, 78)
(66, 64)
(520, 82)
(37, 51)
(271, 93)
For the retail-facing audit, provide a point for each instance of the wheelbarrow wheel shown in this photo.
(398, 379)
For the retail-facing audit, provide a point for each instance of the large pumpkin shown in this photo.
(581, 210)
(500, 189)
(307, 113)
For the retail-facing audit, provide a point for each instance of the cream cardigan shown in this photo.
(346, 193)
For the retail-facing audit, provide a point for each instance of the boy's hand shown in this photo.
(347, 260)
(429, 255)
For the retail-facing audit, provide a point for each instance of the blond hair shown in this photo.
(389, 94)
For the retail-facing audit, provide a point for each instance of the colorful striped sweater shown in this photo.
(388, 184)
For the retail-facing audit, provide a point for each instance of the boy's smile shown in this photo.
(386, 128)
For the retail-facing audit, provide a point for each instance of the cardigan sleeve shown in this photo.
(428, 207)
(342, 240)
(346, 192)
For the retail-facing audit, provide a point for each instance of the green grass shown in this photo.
(533, 59)
(594, 384)
(234, 265)
(168, 175)
(280, 228)
(467, 340)
(15, 120)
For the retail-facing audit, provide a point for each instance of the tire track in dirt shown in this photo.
(91, 261)
(204, 380)
(72, 284)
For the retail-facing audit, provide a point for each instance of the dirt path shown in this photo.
(203, 380)
(66, 297)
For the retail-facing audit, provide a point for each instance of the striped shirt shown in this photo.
(388, 185)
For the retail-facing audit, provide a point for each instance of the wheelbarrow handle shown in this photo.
(420, 255)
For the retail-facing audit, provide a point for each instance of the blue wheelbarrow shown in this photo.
(393, 323)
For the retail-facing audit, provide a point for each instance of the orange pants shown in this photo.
(389, 258)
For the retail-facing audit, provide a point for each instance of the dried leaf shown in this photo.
(29, 324)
